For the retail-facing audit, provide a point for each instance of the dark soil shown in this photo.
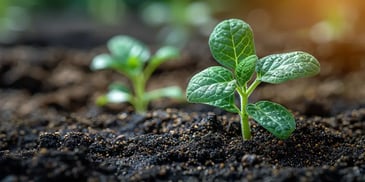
(51, 130)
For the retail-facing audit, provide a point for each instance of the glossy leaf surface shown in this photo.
(211, 84)
(273, 117)
(231, 41)
(225, 104)
(278, 68)
(245, 69)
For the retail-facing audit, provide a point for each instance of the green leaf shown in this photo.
(102, 61)
(101, 100)
(114, 95)
(118, 93)
(278, 68)
(165, 54)
(168, 92)
(119, 86)
(273, 117)
(128, 49)
(162, 55)
(225, 104)
(245, 69)
(105, 61)
(211, 84)
(231, 41)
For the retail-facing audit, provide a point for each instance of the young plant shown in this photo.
(232, 45)
(132, 59)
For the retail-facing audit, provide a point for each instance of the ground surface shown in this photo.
(51, 130)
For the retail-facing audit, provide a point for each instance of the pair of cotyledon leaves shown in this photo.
(232, 45)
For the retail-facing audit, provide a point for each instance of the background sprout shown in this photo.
(131, 58)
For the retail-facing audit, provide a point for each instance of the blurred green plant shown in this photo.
(13, 19)
(107, 11)
(179, 18)
(132, 58)
(16, 15)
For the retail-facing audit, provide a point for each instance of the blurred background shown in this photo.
(332, 30)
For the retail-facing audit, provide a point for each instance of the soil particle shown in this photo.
(49, 140)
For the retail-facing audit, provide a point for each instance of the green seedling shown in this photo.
(131, 58)
(232, 45)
